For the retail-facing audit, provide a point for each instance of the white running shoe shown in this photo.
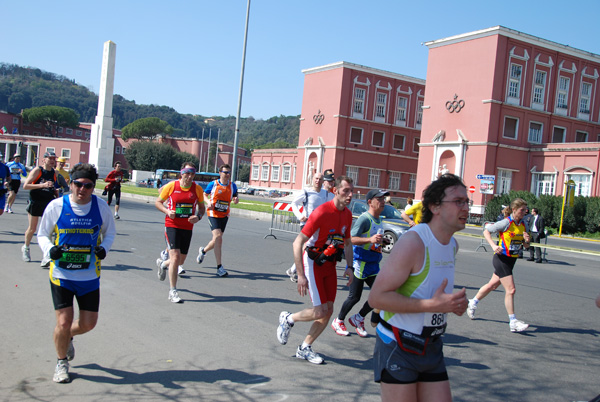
(284, 328)
(61, 373)
(181, 271)
(471, 309)
(117, 216)
(308, 354)
(221, 272)
(162, 271)
(164, 255)
(518, 326)
(292, 274)
(174, 296)
(201, 255)
(45, 262)
(339, 327)
(26, 255)
(10, 211)
(359, 324)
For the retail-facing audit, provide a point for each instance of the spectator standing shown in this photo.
(537, 229)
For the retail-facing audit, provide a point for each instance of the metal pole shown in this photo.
(239, 109)
(201, 149)
(217, 148)
(208, 152)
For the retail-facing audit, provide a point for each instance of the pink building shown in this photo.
(356, 120)
(519, 109)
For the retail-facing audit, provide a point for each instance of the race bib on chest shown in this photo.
(75, 257)
(221, 206)
(183, 210)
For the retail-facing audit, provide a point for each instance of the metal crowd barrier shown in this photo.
(283, 219)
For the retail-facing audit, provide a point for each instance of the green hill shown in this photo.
(26, 87)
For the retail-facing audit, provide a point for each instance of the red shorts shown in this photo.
(322, 281)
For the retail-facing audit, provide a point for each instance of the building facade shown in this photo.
(511, 107)
(359, 121)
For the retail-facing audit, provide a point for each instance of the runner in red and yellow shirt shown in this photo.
(221, 193)
(184, 207)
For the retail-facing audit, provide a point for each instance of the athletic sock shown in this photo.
(304, 345)
(290, 320)
(475, 301)
(512, 317)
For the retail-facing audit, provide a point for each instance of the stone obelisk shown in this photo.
(102, 144)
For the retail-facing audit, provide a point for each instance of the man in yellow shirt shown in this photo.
(416, 210)
(61, 168)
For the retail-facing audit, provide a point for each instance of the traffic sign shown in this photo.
(486, 177)
(472, 189)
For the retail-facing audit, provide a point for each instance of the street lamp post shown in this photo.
(239, 109)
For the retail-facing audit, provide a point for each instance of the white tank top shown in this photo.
(438, 264)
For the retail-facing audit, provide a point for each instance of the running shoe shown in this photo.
(292, 274)
(221, 271)
(359, 324)
(26, 255)
(308, 354)
(117, 216)
(10, 211)
(181, 271)
(284, 328)
(174, 296)
(164, 255)
(45, 262)
(471, 309)
(162, 271)
(339, 327)
(61, 373)
(201, 255)
(71, 351)
(518, 326)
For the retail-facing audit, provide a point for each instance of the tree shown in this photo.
(244, 173)
(150, 156)
(52, 117)
(146, 128)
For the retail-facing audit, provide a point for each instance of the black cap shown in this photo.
(328, 177)
(49, 155)
(376, 193)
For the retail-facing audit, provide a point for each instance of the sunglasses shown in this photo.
(79, 184)
(225, 171)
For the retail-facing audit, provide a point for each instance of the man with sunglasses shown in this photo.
(221, 193)
(85, 232)
(184, 207)
(42, 183)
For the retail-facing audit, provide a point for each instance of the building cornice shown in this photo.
(517, 35)
(364, 69)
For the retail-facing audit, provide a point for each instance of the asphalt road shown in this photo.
(220, 344)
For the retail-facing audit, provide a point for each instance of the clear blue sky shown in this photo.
(187, 54)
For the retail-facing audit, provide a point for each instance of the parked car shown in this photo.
(393, 224)
(273, 194)
(246, 190)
